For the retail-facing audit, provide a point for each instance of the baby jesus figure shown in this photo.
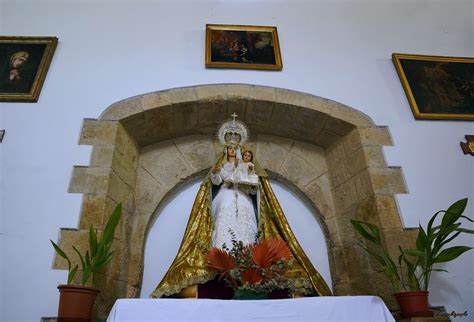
(246, 170)
(242, 174)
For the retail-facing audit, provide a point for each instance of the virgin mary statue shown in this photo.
(235, 202)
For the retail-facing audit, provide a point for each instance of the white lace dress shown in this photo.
(232, 209)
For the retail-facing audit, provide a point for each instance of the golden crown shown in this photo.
(233, 131)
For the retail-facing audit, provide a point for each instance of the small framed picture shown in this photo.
(437, 87)
(251, 47)
(24, 62)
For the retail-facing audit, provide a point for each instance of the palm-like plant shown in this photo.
(98, 255)
(430, 243)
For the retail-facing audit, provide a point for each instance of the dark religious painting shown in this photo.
(437, 87)
(252, 47)
(24, 62)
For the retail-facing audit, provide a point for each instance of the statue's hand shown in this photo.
(216, 169)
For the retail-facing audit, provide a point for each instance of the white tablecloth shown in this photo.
(326, 308)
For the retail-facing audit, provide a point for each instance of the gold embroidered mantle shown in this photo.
(189, 267)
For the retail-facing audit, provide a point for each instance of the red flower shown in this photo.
(268, 251)
(220, 260)
(251, 276)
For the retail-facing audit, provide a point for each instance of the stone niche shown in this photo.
(146, 147)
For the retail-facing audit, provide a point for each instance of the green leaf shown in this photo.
(72, 273)
(375, 231)
(458, 207)
(469, 219)
(379, 258)
(446, 241)
(87, 259)
(430, 229)
(59, 251)
(423, 243)
(464, 230)
(109, 230)
(92, 241)
(443, 231)
(83, 264)
(422, 239)
(454, 212)
(86, 274)
(451, 253)
(414, 252)
(443, 236)
(104, 262)
(359, 227)
(101, 252)
(413, 282)
(392, 266)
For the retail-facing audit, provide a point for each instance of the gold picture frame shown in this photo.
(237, 46)
(24, 63)
(437, 87)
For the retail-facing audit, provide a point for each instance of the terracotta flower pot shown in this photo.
(76, 302)
(413, 304)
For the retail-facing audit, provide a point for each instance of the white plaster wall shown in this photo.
(110, 50)
(2, 188)
(162, 247)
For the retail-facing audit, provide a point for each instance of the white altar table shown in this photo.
(321, 309)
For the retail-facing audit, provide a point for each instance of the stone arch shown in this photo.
(146, 146)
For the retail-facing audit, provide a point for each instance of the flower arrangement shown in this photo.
(258, 268)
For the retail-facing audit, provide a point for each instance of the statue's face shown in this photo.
(231, 151)
(247, 157)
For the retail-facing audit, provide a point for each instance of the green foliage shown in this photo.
(371, 233)
(416, 265)
(98, 255)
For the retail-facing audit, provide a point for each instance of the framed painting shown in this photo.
(251, 47)
(24, 62)
(437, 87)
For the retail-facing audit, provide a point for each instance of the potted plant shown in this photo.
(255, 270)
(77, 300)
(410, 276)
